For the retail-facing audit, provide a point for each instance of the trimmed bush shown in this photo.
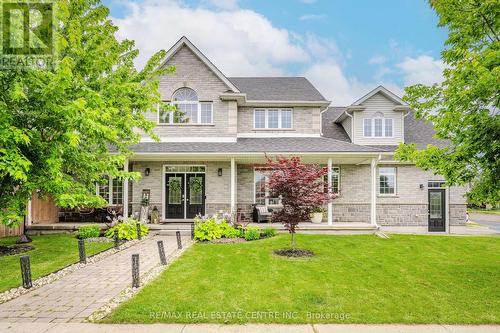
(89, 231)
(252, 233)
(127, 230)
(268, 232)
(207, 230)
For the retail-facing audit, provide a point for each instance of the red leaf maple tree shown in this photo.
(300, 188)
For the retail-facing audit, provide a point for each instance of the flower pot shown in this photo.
(316, 217)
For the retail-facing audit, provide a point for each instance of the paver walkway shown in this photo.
(77, 295)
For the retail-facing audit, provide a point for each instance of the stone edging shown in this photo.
(51, 277)
(130, 292)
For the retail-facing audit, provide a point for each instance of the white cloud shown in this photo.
(423, 69)
(311, 17)
(377, 60)
(242, 42)
(239, 42)
(224, 4)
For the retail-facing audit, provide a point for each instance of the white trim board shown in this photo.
(266, 134)
(193, 139)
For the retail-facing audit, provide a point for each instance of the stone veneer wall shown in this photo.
(407, 207)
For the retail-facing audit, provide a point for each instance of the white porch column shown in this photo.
(330, 204)
(233, 186)
(373, 197)
(125, 191)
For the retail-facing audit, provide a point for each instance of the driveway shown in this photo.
(488, 220)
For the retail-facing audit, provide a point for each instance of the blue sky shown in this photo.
(344, 47)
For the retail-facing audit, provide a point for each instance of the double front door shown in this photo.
(185, 195)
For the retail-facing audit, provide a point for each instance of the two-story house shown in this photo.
(210, 157)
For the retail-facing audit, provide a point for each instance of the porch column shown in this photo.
(233, 186)
(373, 200)
(330, 204)
(125, 191)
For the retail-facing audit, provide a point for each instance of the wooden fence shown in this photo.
(5, 231)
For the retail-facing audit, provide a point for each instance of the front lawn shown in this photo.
(352, 279)
(51, 253)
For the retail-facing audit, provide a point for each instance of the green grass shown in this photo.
(404, 279)
(484, 211)
(52, 252)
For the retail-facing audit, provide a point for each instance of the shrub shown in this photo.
(127, 230)
(229, 231)
(252, 233)
(89, 231)
(268, 232)
(207, 230)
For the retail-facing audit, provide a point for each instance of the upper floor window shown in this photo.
(378, 127)
(273, 118)
(189, 110)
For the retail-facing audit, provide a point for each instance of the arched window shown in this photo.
(189, 110)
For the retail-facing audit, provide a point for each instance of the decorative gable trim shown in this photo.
(380, 89)
(186, 42)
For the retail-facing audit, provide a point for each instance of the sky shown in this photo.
(344, 47)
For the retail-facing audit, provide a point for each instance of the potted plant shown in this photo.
(317, 214)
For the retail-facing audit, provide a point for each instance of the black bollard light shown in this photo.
(135, 271)
(161, 251)
(117, 240)
(138, 229)
(192, 231)
(26, 272)
(81, 251)
(179, 243)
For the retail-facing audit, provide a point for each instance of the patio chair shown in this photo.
(261, 214)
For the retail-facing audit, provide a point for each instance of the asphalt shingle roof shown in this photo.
(256, 145)
(331, 129)
(277, 88)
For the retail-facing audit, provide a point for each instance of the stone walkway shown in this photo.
(76, 296)
(251, 328)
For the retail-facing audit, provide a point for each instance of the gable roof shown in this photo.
(330, 128)
(277, 89)
(186, 42)
(380, 89)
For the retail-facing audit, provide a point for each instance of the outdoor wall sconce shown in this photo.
(219, 172)
(421, 186)
(147, 171)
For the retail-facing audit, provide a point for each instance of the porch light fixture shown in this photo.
(421, 186)
(219, 172)
(147, 171)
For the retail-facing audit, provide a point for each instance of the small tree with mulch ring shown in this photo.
(301, 189)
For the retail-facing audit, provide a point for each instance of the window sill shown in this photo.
(183, 125)
(387, 196)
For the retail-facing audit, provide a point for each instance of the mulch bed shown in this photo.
(294, 253)
(14, 249)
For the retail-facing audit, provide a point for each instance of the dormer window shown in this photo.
(378, 127)
(189, 109)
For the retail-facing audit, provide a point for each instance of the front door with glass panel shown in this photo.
(195, 195)
(185, 191)
(437, 210)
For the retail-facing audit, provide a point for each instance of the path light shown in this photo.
(81, 251)
(179, 244)
(192, 231)
(135, 271)
(117, 240)
(26, 272)
(161, 251)
(138, 229)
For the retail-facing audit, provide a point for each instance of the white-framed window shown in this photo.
(387, 180)
(261, 180)
(378, 127)
(111, 190)
(335, 180)
(273, 118)
(189, 110)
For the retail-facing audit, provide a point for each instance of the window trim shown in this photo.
(266, 119)
(110, 191)
(371, 121)
(395, 182)
(198, 123)
(266, 199)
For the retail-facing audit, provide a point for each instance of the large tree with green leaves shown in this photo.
(464, 108)
(64, 129)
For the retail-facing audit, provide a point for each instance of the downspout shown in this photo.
(321, 120)
(373, 212)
